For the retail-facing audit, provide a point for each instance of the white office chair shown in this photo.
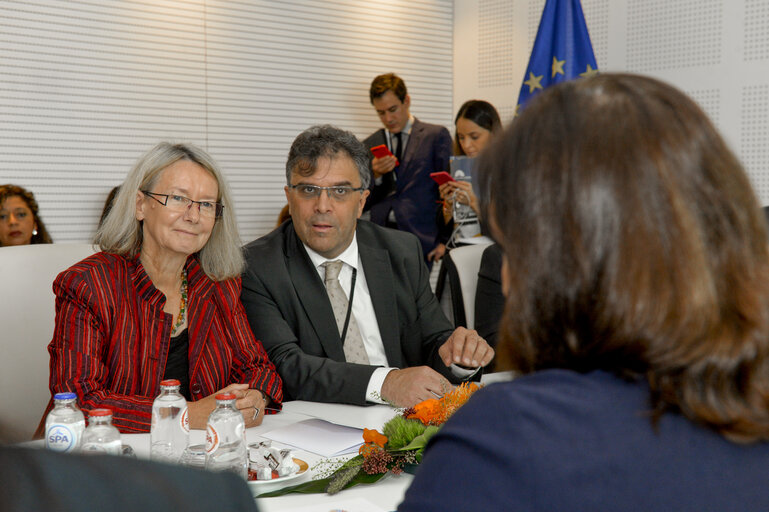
(26, 327)
(462, 265)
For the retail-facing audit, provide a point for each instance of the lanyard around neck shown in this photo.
(349, 305)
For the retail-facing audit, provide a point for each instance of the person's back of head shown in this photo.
(634, 244)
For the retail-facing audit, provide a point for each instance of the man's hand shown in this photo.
(466, 348)
(408, 387)
(383, 165)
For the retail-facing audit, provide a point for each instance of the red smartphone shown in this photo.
(382, 151)
(441, 177)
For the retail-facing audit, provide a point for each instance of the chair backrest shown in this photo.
(462, 265)
(26, 327)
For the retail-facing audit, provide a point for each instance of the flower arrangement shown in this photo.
(397, 448)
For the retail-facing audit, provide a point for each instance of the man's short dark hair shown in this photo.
(387, 82)
(326, 141)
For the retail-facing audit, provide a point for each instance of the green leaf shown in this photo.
(419, 442)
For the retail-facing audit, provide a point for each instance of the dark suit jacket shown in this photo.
(416, 194)
(39, 479)
(290, 313)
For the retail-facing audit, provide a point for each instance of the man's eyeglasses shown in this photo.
(337, 192)
(179, 203)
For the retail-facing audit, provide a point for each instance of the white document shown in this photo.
(319, 436)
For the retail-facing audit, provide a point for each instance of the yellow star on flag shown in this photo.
(534, 82)
(589, 72)
(558, 67)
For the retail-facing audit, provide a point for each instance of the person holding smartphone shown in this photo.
(403, 196)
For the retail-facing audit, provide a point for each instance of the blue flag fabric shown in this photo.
(562, 49)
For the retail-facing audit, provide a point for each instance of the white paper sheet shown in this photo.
(319, 436)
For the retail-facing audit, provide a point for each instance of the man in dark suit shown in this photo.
(402, 193)
(406, 350)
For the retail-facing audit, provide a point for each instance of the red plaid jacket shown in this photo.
(111, 339)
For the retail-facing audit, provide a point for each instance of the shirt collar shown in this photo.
(349, 256)
(406, 129)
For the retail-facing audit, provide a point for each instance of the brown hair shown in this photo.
(387, 82)
(481, 113)
(6, 191)
(634, 244)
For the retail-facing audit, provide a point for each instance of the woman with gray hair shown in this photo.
(162, 300)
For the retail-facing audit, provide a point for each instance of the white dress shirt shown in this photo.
(363, 311)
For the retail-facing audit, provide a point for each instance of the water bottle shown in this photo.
(170, 430)
(101, 436)
(226, 437)
(65, 424)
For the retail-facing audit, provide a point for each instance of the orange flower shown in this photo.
(436, 412)
(373, 436)
(427, 411)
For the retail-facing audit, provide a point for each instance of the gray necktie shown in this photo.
(354, 352)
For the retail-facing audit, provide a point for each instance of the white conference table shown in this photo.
(385, 494)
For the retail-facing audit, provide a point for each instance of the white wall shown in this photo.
(86, 86)
(715, 50)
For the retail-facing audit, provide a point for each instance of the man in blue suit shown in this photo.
(403, 195)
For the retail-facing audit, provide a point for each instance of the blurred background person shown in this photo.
(108, 204)
(636, 275)
(475, 124)
(20, 222)
(162, 300)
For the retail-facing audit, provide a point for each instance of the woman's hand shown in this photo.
(437, 253)
(464, 195)
(250, 403)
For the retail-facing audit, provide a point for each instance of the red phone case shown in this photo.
(441, 177)
(382, 151)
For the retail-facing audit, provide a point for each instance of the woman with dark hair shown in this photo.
(636, 275)
(20, 222)
(476, 122)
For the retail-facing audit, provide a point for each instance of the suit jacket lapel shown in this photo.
(415, 140)
(379, 278)
(312, 294)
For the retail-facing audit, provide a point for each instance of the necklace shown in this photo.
(183, 304)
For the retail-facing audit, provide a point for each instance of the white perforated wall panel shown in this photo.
(87, 86)
(717, 51)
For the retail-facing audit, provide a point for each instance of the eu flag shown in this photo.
(562, 49)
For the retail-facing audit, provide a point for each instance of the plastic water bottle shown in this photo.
(65, 424)
(101, 436)
(226, 437)
(170, 430)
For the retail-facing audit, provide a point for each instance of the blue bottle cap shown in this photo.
(64, 396)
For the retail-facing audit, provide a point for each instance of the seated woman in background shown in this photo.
(20, 222)
(636, 274)
(476, 122)
(162, 301)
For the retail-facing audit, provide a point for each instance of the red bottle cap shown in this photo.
(100, 412)
(225, 396)
(170, 382)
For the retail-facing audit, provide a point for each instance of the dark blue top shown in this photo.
(559, 440)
